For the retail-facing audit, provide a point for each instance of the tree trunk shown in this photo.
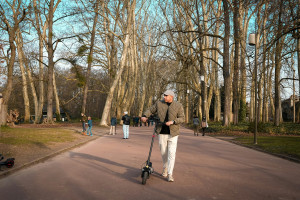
(33, 91)
(22, 62)
(143, 78)
(50, 51)
(278, 49)
(90, 58)
(41, 30)
(252, 99)
(298, 56)
(57, 104)
(270, 92)
(11, 30)
(243, 82)
(40, 106)
(217, 103)
(237, 39)
(264, 99)
(226, 67)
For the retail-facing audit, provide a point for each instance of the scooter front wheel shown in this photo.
(144, 177)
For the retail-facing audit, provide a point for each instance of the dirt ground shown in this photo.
(26, 156)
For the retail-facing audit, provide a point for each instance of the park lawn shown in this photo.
(280, 145)
(35, 136)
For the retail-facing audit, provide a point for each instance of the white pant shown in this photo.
(168, 145)
(126, 131)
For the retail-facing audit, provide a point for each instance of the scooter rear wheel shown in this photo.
(144, 177)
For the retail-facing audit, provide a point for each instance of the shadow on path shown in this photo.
(131, 173)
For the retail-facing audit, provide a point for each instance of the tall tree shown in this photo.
(226, 66)
(278, 50)
(237, 40)
(22, 63)
(90, 56)
(131, 8)
(17, 13)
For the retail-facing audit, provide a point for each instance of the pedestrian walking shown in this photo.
(126, 124)
(171, 113)
(90, 125)
(113, 124)
(196, 124)
(136, 120)
(140, 121)
(204, 125)
(83, 121)
(151, 120)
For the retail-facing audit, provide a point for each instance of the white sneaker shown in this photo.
(170, 178)
(165, 172)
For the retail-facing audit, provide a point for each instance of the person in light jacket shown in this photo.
(171, 113)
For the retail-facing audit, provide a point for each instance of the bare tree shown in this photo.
(106, 111)
(90, 56)
(226, 71)
(18, 13)
(237, 39)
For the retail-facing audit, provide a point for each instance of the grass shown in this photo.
(280, 145)
(35, 136)
(286, 128)
(283, 140)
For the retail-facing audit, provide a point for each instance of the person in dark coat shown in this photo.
(196, 123)
(204, 125)
(126, 124)
(113, 124)
(83, 119)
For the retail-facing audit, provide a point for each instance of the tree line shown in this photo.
(105, 57)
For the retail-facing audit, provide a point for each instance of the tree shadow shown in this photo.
(131, 173)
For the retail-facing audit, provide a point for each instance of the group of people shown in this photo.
(86, 121)
(171, 115)
(197, 125)
(126, 124)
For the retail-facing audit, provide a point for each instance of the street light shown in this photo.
(252, 42)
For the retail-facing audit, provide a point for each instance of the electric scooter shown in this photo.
(9, 163)
(147, 168)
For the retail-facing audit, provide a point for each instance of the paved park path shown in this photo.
(109, 168)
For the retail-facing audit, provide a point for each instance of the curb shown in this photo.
(51, 155)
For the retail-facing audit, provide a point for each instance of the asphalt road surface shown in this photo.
(110, 168)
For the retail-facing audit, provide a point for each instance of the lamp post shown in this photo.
(252, 42)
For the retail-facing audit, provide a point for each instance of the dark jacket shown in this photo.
(196, 121)
(176, 113)
(83, 118)
(113, 121)
(126, 119)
